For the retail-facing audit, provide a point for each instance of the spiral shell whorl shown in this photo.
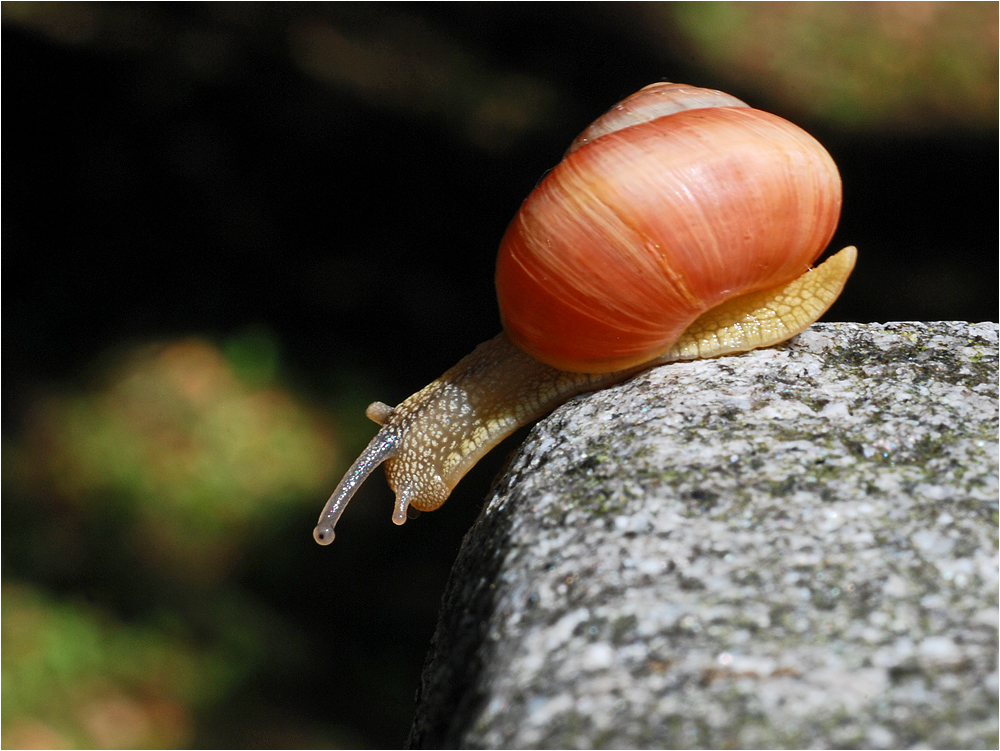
(649, 103)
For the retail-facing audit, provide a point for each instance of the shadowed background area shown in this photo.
(227, 228)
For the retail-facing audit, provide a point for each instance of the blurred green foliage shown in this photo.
(905, 66)
(75, 676)
(179, 453)
(173, 463)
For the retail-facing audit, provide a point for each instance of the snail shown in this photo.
(681, 224)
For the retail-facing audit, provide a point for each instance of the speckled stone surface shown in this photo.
(795, 547)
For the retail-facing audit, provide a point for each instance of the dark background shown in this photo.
(330, 183)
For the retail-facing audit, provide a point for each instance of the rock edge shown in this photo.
(794, 547)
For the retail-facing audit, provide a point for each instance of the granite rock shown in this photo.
(793, 547)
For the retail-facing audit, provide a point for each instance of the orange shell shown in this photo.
(639, 231)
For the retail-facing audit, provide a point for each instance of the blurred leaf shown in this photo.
(183, 447)
(913, 66)
(254, 355)
(398, 61)
(73, 677)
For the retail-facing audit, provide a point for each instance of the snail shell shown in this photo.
(681, 224)
(646, 224)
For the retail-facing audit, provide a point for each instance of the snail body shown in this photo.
(680, 225)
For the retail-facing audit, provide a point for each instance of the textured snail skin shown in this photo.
(430, 440)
